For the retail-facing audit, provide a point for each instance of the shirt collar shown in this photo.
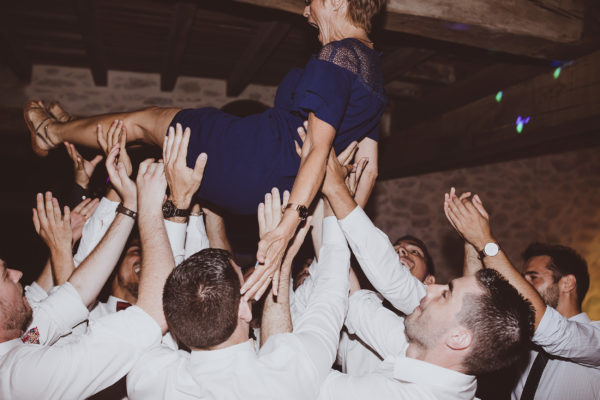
(212, 357)
(442, 381)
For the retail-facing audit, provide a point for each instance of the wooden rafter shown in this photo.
(485, 82)
(399, 61)
(268, 37)
(181, 26)
(86, 10)
(564, 114)
(525, 27)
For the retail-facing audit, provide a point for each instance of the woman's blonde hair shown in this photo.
(361, 12)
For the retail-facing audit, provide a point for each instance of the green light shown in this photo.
(499, 96)
(557, 72)
(519, 127)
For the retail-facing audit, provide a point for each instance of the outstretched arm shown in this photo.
(90, 276)
(310, 175)
(471, 221)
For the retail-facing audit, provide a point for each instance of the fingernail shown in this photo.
(203, 156)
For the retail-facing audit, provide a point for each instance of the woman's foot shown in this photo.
(38, 121)
(59, 113)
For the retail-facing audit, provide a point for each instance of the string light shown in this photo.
(499, 96)
(521, 122)
(557, 72)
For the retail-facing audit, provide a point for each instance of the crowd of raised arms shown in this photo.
(176, 320)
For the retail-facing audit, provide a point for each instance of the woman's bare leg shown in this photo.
(148, 125)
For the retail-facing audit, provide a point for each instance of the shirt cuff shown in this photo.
(35, 293)
(176, 234)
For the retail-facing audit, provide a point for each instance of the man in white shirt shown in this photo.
(470, 326)
(110, 347)
(206, 312)
(572, 370)
(555, 281)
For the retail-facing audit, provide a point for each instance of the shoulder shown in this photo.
(345, 53)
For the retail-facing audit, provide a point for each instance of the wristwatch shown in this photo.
(169, 210)
(489, 250)
(126, 211)
(302, 210)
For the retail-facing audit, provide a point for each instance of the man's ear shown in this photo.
(459, 338)
(567, 283)
(244, 311)
(429, 280)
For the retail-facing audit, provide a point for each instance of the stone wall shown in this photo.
(125, 91)
(554, 198)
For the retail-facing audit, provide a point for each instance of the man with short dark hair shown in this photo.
(434, 352)
(572, 368)
(413, 254)
(206, 312)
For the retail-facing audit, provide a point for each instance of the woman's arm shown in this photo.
(310, 175)
(366, 148)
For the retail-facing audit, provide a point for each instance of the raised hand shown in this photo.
(81, 213)
(183, 181)
(116, 135)
(119, 178)
(469, 218)
(151, 187)
(52, 226)
(82, 168)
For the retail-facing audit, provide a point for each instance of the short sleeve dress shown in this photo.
(247, 157)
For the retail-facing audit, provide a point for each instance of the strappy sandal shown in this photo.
(59, 113)
(35, 130)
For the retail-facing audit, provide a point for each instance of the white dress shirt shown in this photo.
(34, 293)
(397, 377)
(97, 225)
(353, 356)
(76, 370)
(196, 238)
(380, 263)
(575, 373)
(288, 366)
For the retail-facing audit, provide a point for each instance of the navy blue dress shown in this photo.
(248, 156)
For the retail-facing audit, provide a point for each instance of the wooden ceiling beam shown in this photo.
(525, 27)
(88, 21)
(268, 37)
(181, 26)
(399, 61)
(564, 114)
(487, 81)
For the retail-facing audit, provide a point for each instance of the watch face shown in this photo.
(168, 209)
(303, 212)
(491, 249)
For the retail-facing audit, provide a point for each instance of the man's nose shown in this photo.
(306, 12)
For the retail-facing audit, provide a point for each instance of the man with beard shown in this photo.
(471, 326)
(571, 370)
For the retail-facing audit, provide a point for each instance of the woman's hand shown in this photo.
(81, 213)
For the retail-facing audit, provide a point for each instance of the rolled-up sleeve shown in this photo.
(576, 341)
